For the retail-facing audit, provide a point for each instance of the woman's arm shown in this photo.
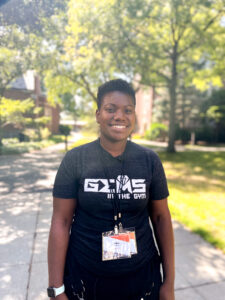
(162, 224)
(63, 211)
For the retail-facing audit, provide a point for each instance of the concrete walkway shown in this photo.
(25, 213)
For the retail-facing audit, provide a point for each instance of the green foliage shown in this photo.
(31, 133)
(82, 141)
(16, 57)
(14, 111)
(205, 133)
(80, 44)
(216, 113)
(157, 131)
(57, 138)
(15, 54)
(13, 146)
(64, 129)
(213, 116)
(45, 133)
(10, 141)
(23, 115)
(182, 134)
(41, 121)
(162, 42)
(18, 148)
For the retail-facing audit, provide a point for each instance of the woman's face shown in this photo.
(116, 116)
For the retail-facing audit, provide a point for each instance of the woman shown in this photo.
(101, 245)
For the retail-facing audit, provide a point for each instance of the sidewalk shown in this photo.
(25, 214)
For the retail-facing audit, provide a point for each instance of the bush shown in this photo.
(45, 133)
(157, 131)
(10, 141)
(206, 133)
(31, 133)
(182, 134)
(57, 138)
(64, 129)
(22, 137)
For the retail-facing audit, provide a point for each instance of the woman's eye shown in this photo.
(110, 110)
(128, 111)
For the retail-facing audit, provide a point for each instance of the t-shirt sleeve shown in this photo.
(66, 181)
(158, 185)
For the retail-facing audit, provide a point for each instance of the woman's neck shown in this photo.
(114, 148)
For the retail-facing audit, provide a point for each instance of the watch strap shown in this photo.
(59, 290)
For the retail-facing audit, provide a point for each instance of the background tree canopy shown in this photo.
(176, 46)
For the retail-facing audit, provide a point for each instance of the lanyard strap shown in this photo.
(116, 203)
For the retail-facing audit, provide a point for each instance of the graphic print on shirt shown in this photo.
(122, 185)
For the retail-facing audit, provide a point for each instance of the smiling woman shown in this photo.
(101, 245)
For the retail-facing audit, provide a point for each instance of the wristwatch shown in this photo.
(54, 292)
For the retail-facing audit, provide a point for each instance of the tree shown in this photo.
(15, 59)
(14, 112)
(214, 114)
(160, 41)
(22, 43)
(156, 39)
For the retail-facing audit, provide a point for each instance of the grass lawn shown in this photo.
(83, 140)
(197, 192)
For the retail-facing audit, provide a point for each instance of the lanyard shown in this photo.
(116, 203)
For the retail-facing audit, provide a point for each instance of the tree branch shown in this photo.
(195, 42)
(87, 86)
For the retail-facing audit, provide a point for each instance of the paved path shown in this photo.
(25, 213)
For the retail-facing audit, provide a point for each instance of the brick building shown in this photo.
(29, 86)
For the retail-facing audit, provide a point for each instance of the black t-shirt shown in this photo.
(92, 176)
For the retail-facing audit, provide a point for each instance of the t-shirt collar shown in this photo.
(109, 155)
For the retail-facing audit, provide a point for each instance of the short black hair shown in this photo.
(115, 85)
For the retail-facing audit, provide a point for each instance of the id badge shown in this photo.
(115, 245)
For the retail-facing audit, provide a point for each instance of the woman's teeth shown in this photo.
(119, 126)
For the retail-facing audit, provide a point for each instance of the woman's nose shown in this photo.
(119, 115)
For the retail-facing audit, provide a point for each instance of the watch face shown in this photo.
(51, 292)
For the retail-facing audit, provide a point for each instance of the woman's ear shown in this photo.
(97, 116)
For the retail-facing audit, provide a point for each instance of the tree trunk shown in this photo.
(1, 144)
(183, 97)
(192, 138)
(1, 131)
(173, 99)
(66, 143)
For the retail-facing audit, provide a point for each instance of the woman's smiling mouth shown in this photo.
(118, 126)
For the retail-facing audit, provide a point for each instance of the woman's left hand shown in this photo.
(166, 292)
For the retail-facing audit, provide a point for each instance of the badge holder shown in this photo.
(115, 244)
(119, 243)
